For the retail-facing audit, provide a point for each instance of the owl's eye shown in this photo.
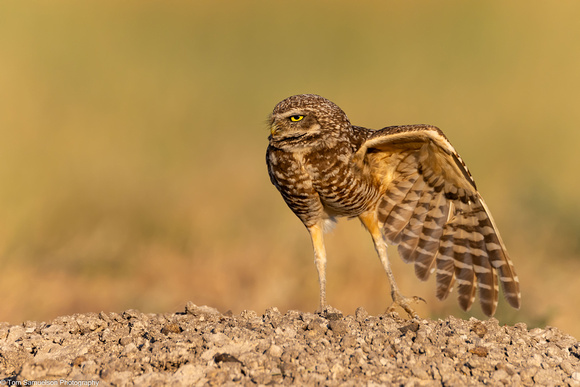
(296, 118)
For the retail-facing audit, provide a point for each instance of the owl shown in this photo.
(406, 184)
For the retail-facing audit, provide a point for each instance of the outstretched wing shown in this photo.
(432, 210)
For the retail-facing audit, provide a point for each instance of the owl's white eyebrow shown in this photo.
(293, 112)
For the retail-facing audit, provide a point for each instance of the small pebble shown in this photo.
(204, 347)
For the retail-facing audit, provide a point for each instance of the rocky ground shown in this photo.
(204, 347)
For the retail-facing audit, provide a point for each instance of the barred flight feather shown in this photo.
(462, 257)
(412, 234)
(499, 258)
(433, 212)
(401, 214)
(445, 264)
(429, 240)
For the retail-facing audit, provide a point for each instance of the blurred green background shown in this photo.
(132, 141)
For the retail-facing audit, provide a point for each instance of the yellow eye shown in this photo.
(296, 118)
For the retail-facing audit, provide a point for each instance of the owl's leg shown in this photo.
(317, 236)
(371, 223)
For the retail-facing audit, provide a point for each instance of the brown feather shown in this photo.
(456, 234)
(408, 186)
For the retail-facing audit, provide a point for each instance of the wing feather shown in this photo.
(432, 210)
(411, 235)
(430, 235)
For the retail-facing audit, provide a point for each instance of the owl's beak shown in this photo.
(273, 129)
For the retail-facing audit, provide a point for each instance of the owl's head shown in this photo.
(306, 116)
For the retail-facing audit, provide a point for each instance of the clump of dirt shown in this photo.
(202, 346)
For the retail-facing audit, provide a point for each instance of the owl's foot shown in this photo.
(328, 312)
(405, 303)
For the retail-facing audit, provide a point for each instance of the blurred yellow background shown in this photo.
(132, 142)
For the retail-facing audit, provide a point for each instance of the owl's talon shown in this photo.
(404, 302)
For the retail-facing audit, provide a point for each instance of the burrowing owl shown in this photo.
(406, 184)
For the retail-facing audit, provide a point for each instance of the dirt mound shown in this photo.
(202, 346)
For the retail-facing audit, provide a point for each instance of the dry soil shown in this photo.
(202, 346)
